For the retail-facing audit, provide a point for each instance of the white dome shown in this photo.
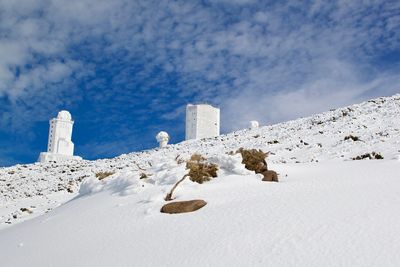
(161, 136)
(253, 124)
(64, 115)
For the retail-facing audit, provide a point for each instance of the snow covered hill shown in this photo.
(327, 209)
(320, 214)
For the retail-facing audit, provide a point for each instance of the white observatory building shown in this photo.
(253, 125)
(60, 146)
(162, 138)
(202, 121)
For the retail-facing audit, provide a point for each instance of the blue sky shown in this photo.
(126, 69)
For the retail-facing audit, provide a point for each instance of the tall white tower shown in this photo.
(60, 134)
(60, 146)
(202, 121)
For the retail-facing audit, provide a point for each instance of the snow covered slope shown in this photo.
(320, 214)
(41, 187)
(328, 210)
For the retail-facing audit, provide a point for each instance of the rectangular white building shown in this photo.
(202, 121)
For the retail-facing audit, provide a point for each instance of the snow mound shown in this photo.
(230, 164)
(123, 184)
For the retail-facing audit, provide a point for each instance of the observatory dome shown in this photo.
(64, 115)
(162, 136)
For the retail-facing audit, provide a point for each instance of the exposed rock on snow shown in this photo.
(270, 176)
(183, 206)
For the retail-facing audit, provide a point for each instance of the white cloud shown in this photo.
(227, 52)
(333, 85)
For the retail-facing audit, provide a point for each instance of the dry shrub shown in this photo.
(254, 160)
(103, 175)
(200, 170)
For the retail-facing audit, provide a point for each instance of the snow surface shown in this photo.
(327, 210)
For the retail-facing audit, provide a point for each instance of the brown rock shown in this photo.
(183, 206)
(270, 176)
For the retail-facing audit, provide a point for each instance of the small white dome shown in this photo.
(253, 124)
(162, 136)
(64, 115)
